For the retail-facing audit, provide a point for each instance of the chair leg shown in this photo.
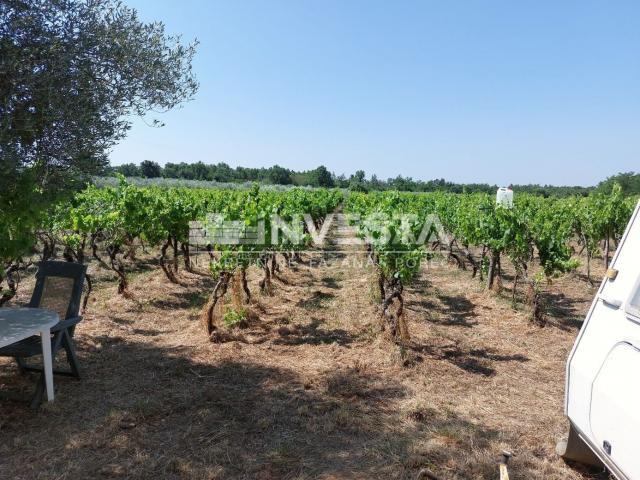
(39, 394)
(72, 358)
(61, 339)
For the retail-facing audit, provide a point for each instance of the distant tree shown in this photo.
(402, 184)
(150, 169)
(321, 177)
(629, 182)
(171, 170)
(223, 173)
(358, 182)
(243, 174)
(375, 183)
(127, 169)
(201, 171)
(359, 176)
(356, 186)
(301, 179)
(341, 181)
(278, 175)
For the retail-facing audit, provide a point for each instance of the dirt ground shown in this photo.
(310, 390)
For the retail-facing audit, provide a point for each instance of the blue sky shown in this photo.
(472, 91)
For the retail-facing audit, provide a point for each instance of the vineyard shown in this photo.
(428, 350)
(303, 321)
(540, 237)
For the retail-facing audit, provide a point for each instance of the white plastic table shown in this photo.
(19, 323)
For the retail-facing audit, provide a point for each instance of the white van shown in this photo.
(603, 371)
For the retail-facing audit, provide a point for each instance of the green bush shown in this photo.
(235, 317)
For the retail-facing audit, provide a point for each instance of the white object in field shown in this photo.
(19, 323)
(602, 387)
(504, 197)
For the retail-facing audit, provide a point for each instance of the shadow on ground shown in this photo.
(313, 334)
(479, 361)
(143, 412)
(449, 310)
(562, 311)
(315, 301)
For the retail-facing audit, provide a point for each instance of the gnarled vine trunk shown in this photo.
(167, 268)
(218, 293)
(535, 303)
(494, 262)
(186, 257)
(245, 284)
(394, 319)
(115, 264)
(265, 283)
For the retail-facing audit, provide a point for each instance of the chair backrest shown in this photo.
(59, 288)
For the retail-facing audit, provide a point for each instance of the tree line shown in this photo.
(322, 177)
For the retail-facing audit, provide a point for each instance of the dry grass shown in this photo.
(310, 390)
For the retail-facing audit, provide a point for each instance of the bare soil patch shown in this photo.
(309, 390)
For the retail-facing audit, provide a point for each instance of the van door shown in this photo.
(615, 393)
(615, 408)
